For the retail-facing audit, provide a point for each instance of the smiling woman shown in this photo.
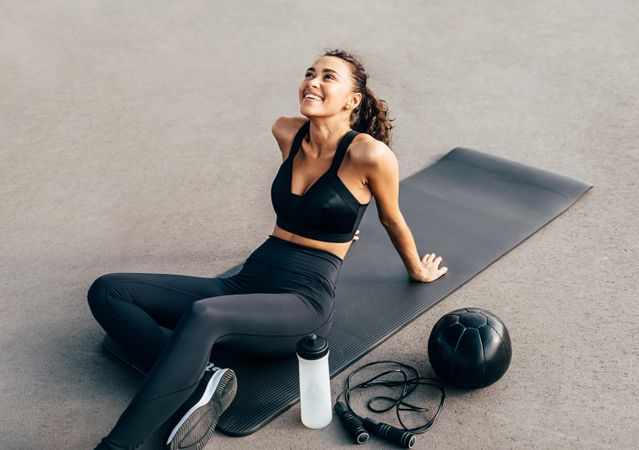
(351, 131)
(370, 115)
(336, 158)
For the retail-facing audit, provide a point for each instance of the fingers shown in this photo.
(429, 258)
(430, 263)
(440, 272)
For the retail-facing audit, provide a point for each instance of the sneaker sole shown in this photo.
(195, 429)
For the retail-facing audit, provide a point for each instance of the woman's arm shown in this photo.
(383, 181)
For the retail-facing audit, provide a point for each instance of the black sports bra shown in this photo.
(327, 211)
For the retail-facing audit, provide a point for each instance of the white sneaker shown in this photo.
(201, 412)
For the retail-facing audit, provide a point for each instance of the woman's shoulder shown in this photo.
(284, 130)
(366, 151)
(289, 121)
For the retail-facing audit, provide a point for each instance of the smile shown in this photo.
(312, 97)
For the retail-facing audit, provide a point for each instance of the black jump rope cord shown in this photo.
(360, 427)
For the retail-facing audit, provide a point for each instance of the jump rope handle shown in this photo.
(353, 424)
(402, 438)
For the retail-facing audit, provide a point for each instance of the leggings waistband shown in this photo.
(303, 247)
(279, 252)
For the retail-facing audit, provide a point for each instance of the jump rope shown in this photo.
(359, 427)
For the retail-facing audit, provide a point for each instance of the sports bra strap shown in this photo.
(297, 141)
(341, 150)
(339, 153)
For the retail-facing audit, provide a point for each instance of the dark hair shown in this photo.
(371, 115)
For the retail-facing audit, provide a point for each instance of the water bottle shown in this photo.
(315, 381)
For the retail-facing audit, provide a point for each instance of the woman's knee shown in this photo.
(199, 310)
(210, 315)
(99, 290)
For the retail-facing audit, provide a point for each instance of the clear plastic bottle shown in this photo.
(315, 381)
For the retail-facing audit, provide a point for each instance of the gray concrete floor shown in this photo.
(135, 137)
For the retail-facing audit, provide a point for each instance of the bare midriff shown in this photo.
(339, 249)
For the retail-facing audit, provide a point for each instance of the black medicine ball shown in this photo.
(469, 348)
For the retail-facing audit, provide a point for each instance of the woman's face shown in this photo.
(327, 89)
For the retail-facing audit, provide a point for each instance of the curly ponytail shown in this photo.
(371, 115)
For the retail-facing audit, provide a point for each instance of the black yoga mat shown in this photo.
(470, 207)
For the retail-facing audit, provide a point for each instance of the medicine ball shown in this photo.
(469, 348)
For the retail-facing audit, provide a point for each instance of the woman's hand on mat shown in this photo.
(356, 237)
(430, 269)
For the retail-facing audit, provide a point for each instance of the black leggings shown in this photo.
(283, 292)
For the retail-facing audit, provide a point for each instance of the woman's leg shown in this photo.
(133, 307)
(266, 323)
(283, 292)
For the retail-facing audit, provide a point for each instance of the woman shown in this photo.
(335, 159)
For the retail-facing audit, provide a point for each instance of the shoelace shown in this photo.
(210, 367)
